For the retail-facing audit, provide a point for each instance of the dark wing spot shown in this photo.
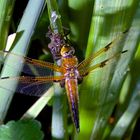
(124, 51)
(103, 63)
(4, 77)
(108, 46)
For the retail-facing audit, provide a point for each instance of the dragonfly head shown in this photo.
(67, 50)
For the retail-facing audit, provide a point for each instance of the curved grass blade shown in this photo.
(100, 91)
(128, 116)
(6, 8)
(33, 8)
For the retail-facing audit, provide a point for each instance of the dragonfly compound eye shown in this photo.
(67, 50)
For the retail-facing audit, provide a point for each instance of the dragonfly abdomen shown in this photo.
(71, 86)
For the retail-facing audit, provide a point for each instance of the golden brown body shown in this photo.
(69, 66)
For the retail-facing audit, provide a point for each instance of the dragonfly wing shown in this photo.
(100, 65)
(34, 86)
(116, 42)
(30, 65)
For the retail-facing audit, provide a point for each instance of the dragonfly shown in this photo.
(71, 72)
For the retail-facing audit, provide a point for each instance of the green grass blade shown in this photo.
(37, 107)
(6, 8)
(26, 26)
(100, 91)
(129, 116)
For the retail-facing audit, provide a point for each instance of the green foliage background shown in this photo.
(93, 24)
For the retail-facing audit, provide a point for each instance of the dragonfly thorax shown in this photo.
(69, 62)
(72, 73)
(69, 65)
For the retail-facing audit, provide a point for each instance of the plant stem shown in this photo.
(59, 120)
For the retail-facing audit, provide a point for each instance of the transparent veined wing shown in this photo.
(30, 65)
(34, 86)
(85, 65)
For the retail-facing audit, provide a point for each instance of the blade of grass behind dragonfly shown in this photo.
(127, 99)
(34, 110)
(122, 67)
(100, 91)
(6, 8)
(26, 27)
(59, 115)
(128, 117)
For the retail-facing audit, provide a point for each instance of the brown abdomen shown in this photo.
(73, 98)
